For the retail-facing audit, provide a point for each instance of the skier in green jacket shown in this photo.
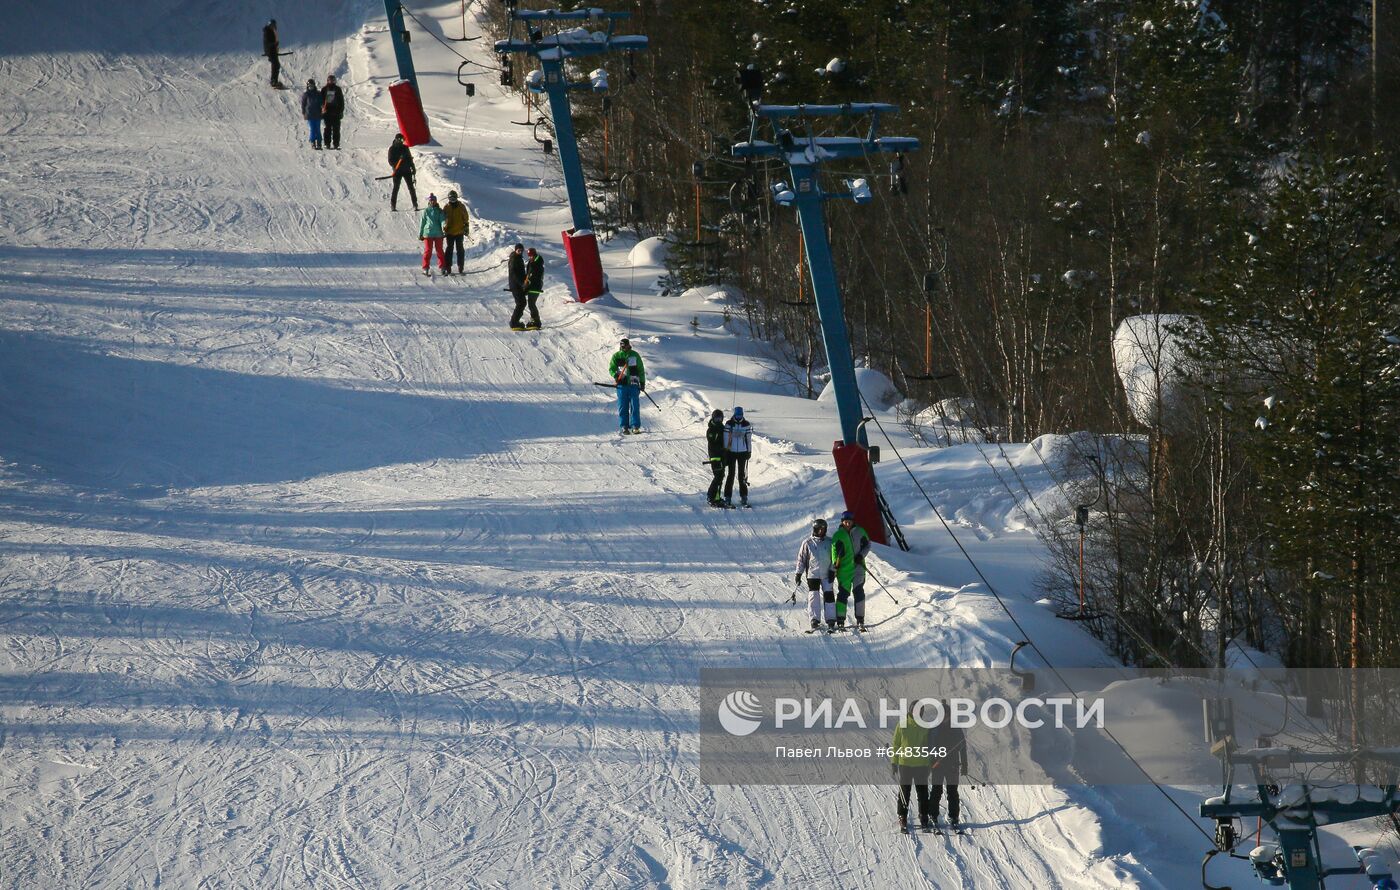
(849, 546)
(630, 376)
(909, 764)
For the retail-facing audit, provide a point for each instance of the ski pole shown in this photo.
(882, 585)
(650, 399)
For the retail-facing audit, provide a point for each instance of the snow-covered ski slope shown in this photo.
(312, 574)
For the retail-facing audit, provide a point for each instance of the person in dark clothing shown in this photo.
(401, 162)
(311, 112)
(270, 49)
(945, 770)
(332, 110)
(714, 443)
(515, 280)
(534, 283)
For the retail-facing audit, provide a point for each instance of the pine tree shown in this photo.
(1303, 349)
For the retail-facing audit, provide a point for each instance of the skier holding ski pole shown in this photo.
(271, 47)
(849, 547)
(909, 765)
(401, 162)
(630, 377)
(814, 564)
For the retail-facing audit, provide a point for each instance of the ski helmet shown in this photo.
(738, 412)
(848, 515)
(819, 528)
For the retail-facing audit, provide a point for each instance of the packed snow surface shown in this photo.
(313, 574)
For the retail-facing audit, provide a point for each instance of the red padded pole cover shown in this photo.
(582, 250)
(858, 487)
(413, 123)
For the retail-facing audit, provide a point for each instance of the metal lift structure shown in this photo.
(804, 155)
(553, 52)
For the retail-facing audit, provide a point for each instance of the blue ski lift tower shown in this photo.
(804, 155)
(553, 51)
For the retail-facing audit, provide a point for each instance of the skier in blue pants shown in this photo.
(630, 376)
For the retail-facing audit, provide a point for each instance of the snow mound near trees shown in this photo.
(650, 252)
(878, 389)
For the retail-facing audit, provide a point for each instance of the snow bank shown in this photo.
(650, 252)
(1149, 353)
(714, 293)
(878, 389)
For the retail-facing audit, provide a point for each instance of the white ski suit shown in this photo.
(814, 564)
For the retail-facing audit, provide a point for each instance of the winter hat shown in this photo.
(432, 199)
(739, 413)
(520, 247)
(531, 251)
(625, 343)
(848, 515)
(716, 414)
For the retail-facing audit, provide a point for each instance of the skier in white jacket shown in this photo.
(814, 564)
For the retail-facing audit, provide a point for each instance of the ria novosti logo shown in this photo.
(740, 713)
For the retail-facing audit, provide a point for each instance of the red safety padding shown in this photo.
(582, 250)
(413, 123)
(858, 487)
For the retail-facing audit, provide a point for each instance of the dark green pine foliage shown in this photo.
(1303, 336)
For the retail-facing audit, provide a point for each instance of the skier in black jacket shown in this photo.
(945, 770)
(714, 442)
(332, 110)
(270, 49)
(401, 163)
(534, 283)
(516, 282)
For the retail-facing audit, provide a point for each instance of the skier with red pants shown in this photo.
(430, 233)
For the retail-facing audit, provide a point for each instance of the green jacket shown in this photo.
(430, 223)
(848, 549)
(624, 359)
(911, 737)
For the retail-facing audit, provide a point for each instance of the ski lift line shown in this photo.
(1025, 635)
(450, 48)
(1133, 632)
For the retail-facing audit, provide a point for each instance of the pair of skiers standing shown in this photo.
(439, 224)
(525, 278)
(728, 446)
(927, 758)
(839, 562)
(323, 105)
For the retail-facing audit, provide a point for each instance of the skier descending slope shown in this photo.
(849, 546)
(814, 564)
(630, 375)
